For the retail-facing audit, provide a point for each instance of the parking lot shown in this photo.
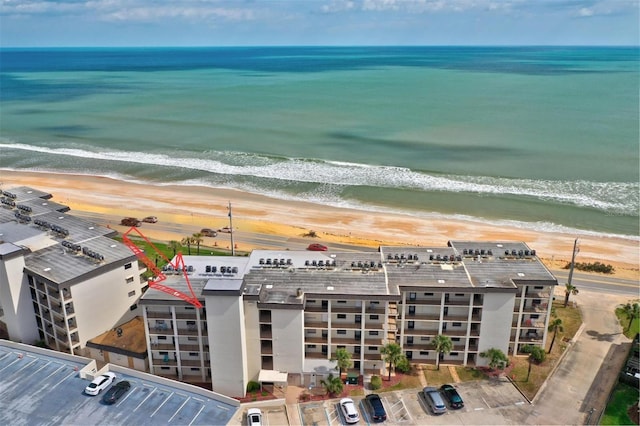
(486, 402)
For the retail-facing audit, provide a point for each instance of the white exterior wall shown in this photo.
(15, 300)
(252, 339)
(288, 340)
(102, 302)
(495, 328)
(227, 344)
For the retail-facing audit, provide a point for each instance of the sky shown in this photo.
(42, 23)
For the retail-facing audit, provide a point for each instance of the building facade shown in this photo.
(290, 311)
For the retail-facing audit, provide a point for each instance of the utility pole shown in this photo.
(233, 247)
(573, 260)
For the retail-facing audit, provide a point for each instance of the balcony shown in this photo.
(316, 324)
(456, 318)
(314, 340)
(379, 325)
(432, 302)
(346, 309)
(315, 355)
(183, 347)
(420, 332)
(265, 333)
(422, 317)
(317, 309)
(373, 356)
(457, 302)
(537, 294)
(346, 325)
(375, 342)
(162, 331)
(375, 310)
(187, 316)
(157, 314)
(190, 362)
(160, 362)
(345, 341)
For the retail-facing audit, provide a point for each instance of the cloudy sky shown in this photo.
(318, 22)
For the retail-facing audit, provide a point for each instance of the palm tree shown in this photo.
(186, 241)
(555, 326)
(343, 359)
(197, 238)
(174, 245)
(333, 385)
(569, 290)
(392, 353)
(443, 345)
(632, 312)
(496, 357)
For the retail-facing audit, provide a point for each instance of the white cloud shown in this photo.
(338, 6)
(585, 11)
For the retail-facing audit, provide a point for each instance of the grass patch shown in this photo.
(399, 382)
(629, 331)
(356, 392)
(571, 321)
(467, 374)
(616, 413)
(436, 377)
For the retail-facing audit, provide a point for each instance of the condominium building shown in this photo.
(281, 315)
(63, 280)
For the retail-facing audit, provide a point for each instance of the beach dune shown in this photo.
(191, 208)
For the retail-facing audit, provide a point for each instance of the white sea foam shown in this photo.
(622, 197)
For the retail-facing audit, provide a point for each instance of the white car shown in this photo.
(254, 417)
(99, 384)
(349, 410)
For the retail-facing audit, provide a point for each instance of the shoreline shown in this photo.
(194, 207)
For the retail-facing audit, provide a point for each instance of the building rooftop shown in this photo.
(41, 386)
(127, 339)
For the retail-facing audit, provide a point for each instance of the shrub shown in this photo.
(526, 349)
(592, 267)
(538, 354)
(403, 365)
(376, 382)
(253, 386)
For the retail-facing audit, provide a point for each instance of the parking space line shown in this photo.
(163, 402)
(126, 396)
(144, 400)
(485, 401)
(178, 410)
(197, 414)
(59, 382)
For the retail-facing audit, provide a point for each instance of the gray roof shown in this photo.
(44, 387)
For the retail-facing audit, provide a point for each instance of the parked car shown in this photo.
(130, 221)
(226, 230)
(254, 417)
(150, 219)
(434, 400)
(379, 413)
(349, 410)
(99, 384)
(207, 232)
(116, 391)
(317, 247)
(452, 396)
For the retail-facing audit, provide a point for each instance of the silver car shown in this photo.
(434, 400)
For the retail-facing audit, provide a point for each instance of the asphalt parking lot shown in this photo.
(486, 402)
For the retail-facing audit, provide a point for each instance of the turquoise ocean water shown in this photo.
(540, 137)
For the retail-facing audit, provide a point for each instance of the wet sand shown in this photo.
(189, 208)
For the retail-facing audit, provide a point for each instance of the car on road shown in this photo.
(379, 414)
(349, 410)
(150, 219)
(115, 393)
(208, 232)
(99, 384)
(452, 396)
(434, 400)
(254, 417)
(130, 221)
(317, 247)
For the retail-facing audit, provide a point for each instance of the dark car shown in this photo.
(116, 391)
(130, 221)
(208, 232)
(379, 414)
(452, 396)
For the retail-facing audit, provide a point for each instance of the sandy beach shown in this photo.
(190, 208)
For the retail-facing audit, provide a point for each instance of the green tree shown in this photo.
(391, 353)
(376, 382)
(568, 291)
(632, 311)
(442, 345)
(197, 239)
(174, 246)
(343, 359)
(497, 358)
(186, 241)
(555, 326)
(333, 385)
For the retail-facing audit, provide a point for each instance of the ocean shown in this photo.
(543, 138)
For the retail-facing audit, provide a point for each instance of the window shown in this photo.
(127, 266)
(424, 339)
(129, 280)
(411, 324)
(194, 354)
(412, 296)
(373, 317)
(424, 353)
(311, 301)
(374, 302)
(165, 368)
(373, 333)
(195, 368)
(311, 331)
(162, 337)
(341, 331)
(342, 316)
(538, 287)
(373, 348)
(534, 316)
(409, 354)
(132, 293)
(454, 354)
(192, 339)
(164, 353)
(457, 324)
(459, 294)
(191, 323)
(455, 339)
(342, 301)
(428, 294)
(311, 346)
(189, 308)
(133, 307)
